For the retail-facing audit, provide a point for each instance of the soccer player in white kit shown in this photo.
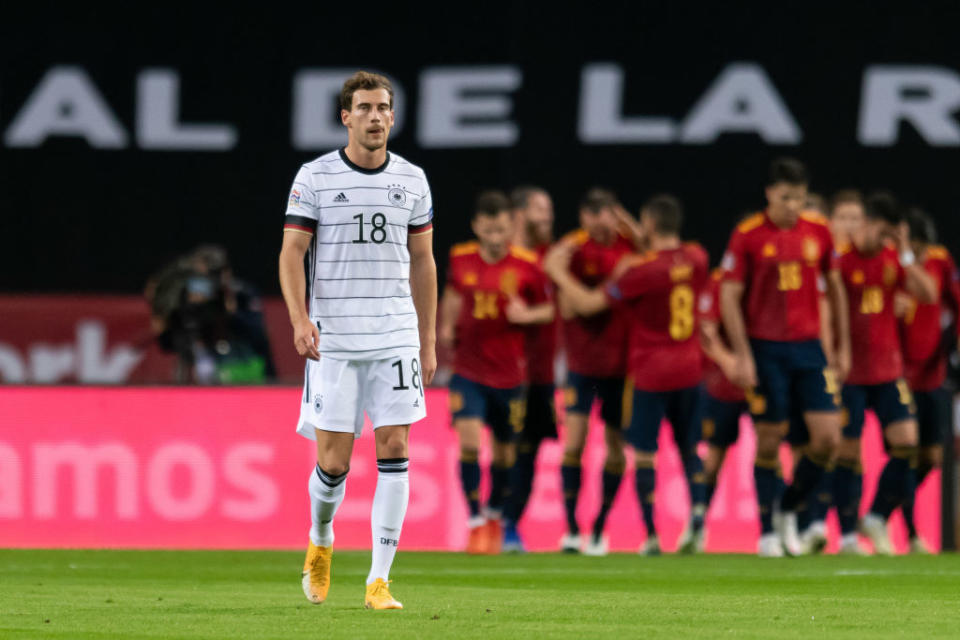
(363, 217)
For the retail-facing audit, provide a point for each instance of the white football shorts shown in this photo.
(336, 394)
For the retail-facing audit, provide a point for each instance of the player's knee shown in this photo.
(572, 456)
(644, 459)
(932, 457)
(825, 442)
(334, 468)
(469, 454)
(768, 446)
(711, 464)
(901, 434)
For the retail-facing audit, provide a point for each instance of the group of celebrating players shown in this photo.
(812, 317)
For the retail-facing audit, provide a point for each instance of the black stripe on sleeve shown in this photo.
(300, 221)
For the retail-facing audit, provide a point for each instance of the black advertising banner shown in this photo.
(127, 139)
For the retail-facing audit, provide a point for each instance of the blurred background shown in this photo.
(146, 157)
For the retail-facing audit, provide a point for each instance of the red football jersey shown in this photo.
(708, 308)
(541, 340)
(489, 349)
(871, 282)
(596, 345)
(782, 270)
(658, 295)
(924, 359)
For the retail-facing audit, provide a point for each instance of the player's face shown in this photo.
(370, 119)
(847, 218)
(538, 218)
(785, 201)
(874, 233)
(493, 232)
(601, 225)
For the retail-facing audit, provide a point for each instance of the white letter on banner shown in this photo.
(239, 470)
(11, 479)
(601, 118)
(202, 481)
(86, 463)
(741, 100)
(924, 96)
(158, 113)
(467, 107)
(66, 103)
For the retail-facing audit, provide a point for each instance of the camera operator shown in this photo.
(212, 321)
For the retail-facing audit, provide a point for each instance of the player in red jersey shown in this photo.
(596, 363)
(657, 293)
(533, 219)
(925, 355)
(494, 291)
(873, 270)
(723, 401)
(846, 215)
(774, 268)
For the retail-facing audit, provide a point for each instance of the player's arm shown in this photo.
(293, 284)
(518, 312)
(563, 307)
(734, 325)
(631, 227)
(582, 300)
(919, 282)
(714, 347)
(449, 312)
(827, 338)
(840, 312)
(916, 279)
(423, 290)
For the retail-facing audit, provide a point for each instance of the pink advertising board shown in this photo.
(199, 468)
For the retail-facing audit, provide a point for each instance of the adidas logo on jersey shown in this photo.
(416, 403)
(341, 197)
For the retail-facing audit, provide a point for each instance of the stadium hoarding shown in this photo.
(189, 468)
(200, 142)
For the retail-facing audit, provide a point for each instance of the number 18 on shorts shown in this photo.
(336, 393)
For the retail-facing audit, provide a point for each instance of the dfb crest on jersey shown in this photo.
(396, 195)
(317, 403)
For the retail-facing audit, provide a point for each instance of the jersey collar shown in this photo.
(355, 167)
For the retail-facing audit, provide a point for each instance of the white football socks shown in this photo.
(326, 494)
(386, 517)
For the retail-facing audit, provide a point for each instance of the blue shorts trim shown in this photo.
(683, 408)
(581, 391)
(791, 376)
(503, 410)
(890, 401)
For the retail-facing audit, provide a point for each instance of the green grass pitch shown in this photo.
(239, 595)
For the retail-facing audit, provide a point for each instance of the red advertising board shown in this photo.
(223, 468)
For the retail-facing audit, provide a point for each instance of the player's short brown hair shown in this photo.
(788, 170)
(366, 81)
(845, 196)
(491, 203)
(666, 212)
(597, 199)
(520, 196)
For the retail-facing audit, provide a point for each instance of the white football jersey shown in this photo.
(358, 281)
